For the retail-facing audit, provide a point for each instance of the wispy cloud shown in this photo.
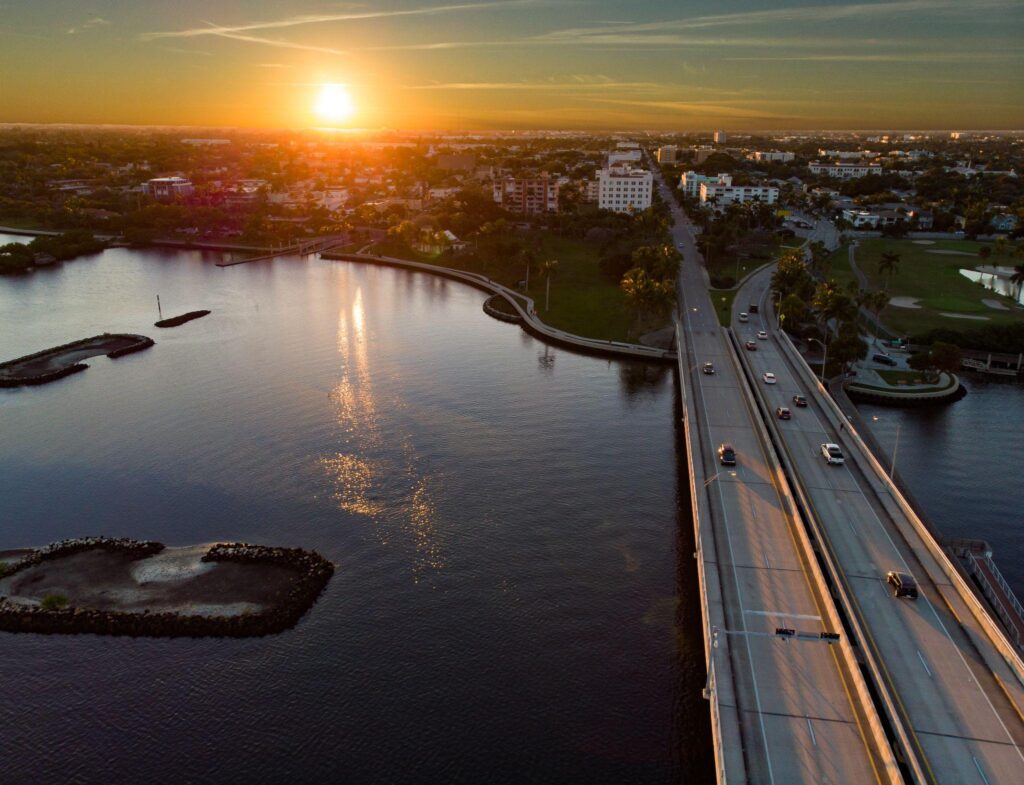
(279, 44)
(922, 57)
(89, 24)
(311, 19)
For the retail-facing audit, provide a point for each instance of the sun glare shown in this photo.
(334, 103)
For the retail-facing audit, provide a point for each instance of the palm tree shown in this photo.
(546, 269)
(888, 264)
(876, 302)
(1018, 278)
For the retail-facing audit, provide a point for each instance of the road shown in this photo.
(962, 704)
(790, 699)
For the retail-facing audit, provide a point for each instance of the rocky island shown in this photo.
(176, 321)
(60, 361)
(121, 586)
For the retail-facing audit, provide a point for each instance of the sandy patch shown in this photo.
(924, 242)
(945, 252)
(172, 564)
(964, 316)
(904, 302)
(995, 305)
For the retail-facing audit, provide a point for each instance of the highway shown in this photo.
(954, 693)
(787, 704)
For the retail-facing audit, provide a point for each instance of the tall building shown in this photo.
(845, 171)
(777, 156)
(691, 182)
(624, 190)
(669, 154)
(721, 137)
(527, 195)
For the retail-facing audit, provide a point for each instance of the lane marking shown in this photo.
(982, 773)
(925, 664)
(814, 741)
(785, 615)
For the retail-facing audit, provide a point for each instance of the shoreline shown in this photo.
(49, 365)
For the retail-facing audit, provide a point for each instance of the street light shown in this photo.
(824, 357)
(895, 447)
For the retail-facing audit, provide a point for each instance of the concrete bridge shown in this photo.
(816, 672)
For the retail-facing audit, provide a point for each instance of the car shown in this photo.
(833, 454)
(769, 377)
(884, 359)
(726, 454)
(762, 335)
(782, 413)
(903, 585)
(800, 401)
(744, 317)
(709, 368)
(751, 345)
(754, 308)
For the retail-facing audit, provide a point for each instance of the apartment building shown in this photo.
(777, 156)
(691, 182)
(845, 171)
(723, 193)
(624, 157)
(669, 154)
(624, 190)
(168, 187)
(527, 195)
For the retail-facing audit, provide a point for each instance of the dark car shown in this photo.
(782, 413)
(903, 585)
(709, 368)
(800, 401)
(754, 308)
(884, 359)
(751, 345)
(727, 455)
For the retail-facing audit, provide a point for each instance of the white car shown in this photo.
(744, 317)
(832, 454)
(769, 377)
(762, 336)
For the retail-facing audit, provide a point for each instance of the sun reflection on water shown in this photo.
(378, 472)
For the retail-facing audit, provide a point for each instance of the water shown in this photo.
(963, 464)
(515, 595)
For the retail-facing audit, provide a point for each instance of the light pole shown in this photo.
(824, 357)
(895, 447)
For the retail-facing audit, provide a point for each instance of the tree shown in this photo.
(888, 264)
(791, 276)
(830, 302)
(793, 311)
(876, 302)
(946, 357)
(985, 251)
(848, 346)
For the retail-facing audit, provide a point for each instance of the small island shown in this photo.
(119, 586)
(175, 321)
(60, 361)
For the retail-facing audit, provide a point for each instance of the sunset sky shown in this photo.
(669, 64)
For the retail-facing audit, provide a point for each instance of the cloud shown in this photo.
(276, 43)
(89, 24)
(310, 19)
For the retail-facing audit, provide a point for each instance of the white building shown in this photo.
(691, 182)
(861, 219)
(772, 155)
(846, 155)
(624, 157)
(845, 171)
(721, 137)
(721, 193)
(168, 187)
(624, 190)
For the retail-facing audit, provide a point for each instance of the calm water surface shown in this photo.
(514, 597)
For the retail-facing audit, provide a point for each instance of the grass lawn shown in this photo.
(904, 377)
(583, 301)
(723, 298)
(934, 280)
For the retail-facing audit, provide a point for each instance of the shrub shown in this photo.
(53, 602)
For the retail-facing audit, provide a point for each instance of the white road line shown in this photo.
(814, 741)
(786, 615)
(767, 565)
(925, 664)
(978, 767)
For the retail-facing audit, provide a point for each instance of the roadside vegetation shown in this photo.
(19, 257)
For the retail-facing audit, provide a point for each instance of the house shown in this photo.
(1005, 222)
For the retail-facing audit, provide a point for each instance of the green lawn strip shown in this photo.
(897, 390)
(934, 280)
(583, 301)
(895, 377)
(723, 299)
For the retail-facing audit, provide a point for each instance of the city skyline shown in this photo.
(517, 64)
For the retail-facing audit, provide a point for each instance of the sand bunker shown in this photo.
(964, 316)
(995, 305)
(924, 242)
(945, 252)
(904, 302)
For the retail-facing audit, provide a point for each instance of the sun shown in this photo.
(334, 103)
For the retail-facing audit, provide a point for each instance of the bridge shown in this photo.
(816, 672)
